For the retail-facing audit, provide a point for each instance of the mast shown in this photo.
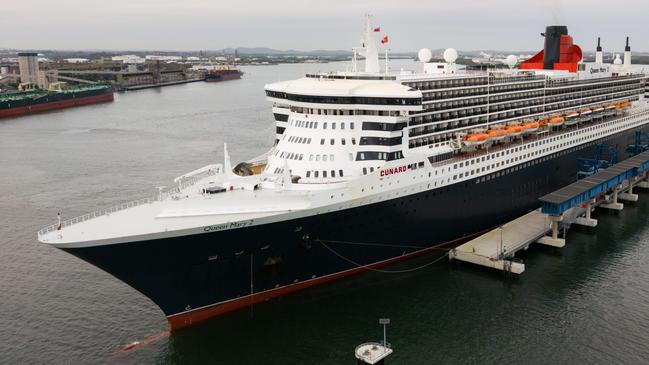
(369, 49)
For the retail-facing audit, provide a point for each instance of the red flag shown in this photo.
(384, 40)
(377, 29)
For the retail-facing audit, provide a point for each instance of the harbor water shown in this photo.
(587, 303)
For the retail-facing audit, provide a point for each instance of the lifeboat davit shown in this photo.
(531, 127)
(476, 139)
(556, 121)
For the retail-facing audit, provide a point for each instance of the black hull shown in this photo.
(187, 273)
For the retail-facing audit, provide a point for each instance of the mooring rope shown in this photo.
(368, 267)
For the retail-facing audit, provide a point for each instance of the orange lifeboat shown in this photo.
(598, 109)
(572, 118)
(531, 127)
(623, 105)
(555, 121)
(496, 134)
(514, 130)
(543, 122)
(475, 139)
(609, 110)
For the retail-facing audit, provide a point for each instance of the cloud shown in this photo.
(299, 24)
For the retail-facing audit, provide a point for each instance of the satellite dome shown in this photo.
(450, 55)
(511, 61)
(425, 55)
(617, 60)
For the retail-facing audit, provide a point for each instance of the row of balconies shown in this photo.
(495, 117)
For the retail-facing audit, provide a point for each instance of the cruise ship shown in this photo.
(369, 167)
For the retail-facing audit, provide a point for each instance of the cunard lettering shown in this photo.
(395, 170)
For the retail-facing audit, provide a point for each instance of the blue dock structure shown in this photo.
(571, 204)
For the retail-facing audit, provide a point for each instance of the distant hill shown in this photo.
(289, 52)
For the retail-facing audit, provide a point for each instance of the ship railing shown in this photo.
(98, 213)
(164, 194)
(189, 181)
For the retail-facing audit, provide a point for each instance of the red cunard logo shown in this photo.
(395, 170)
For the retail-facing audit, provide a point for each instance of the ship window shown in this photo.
(342, 141)
(342, 126)
(310, 157)
(308, 173)
(324, 158)
(353, 140)
(301, 156)
(333, 125)
(340, 173)
(371, 169)
(324, 126)
(324, 173)
(333, 173)
(317, 157)
(364, 170)
(331, 157)
(322, 141)
(351, 157)
(351, 125)
(332, 141)
(315, 174)
(315, 125)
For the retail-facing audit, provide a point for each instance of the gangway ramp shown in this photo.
(496, 248)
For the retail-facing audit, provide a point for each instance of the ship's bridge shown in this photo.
(338, 128)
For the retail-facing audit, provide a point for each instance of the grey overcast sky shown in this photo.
(309, 25)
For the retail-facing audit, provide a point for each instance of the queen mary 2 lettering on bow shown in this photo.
(231, 225)
(394, 170)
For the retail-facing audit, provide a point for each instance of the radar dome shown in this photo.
(511, 61)
(425, 55)
(450, 55)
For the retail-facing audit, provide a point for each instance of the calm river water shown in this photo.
(585, 304)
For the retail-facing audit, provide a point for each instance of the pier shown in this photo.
(569, 205)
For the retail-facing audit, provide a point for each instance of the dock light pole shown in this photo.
(501, 243)
(384, 322)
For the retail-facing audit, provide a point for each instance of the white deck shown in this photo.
(178, 213)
